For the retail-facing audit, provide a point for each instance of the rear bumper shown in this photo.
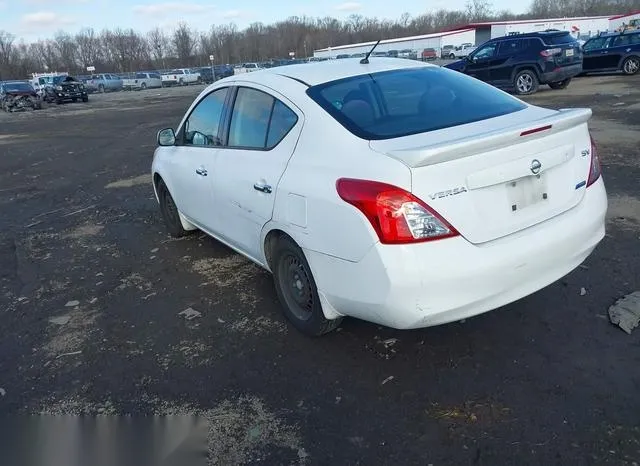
(434, 283)
(562, 73)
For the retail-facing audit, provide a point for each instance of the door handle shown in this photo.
(265, 188)
(201, 171)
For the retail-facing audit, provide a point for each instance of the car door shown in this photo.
(506, 58)
(480, 61)
(192, 159)
(263, 130)
(595, 53)
(617, 50)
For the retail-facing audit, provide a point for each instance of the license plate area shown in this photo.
(569, 52)
(527, 191)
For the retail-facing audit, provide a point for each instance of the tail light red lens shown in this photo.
(397, 216)
(595, 170)
(549, 53)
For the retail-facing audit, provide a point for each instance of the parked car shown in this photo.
(18, 95)
(429, 54)
(407, 53)
(180, 77)
(445, 52)
(397, 192)
(462, 51)
(522, 63)
(65, 89)
(142, 81)
(248, 68)
(618, 51)
(105, 82)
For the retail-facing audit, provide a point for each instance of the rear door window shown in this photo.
(398, 103)
(512, 47)
(250, 119)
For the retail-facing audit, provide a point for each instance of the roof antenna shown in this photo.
(365, 60)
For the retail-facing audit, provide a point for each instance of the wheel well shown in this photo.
(270, 242)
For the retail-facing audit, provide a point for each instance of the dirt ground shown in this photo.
(92, 290)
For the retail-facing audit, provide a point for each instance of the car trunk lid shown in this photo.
(495, 177)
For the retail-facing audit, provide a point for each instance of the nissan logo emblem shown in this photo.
(535, 166)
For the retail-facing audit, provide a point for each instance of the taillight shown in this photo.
(594, 170)
(396, 215)
(548, 53)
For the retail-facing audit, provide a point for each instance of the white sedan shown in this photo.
(396, 191)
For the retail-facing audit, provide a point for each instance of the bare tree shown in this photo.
(127, 50)
(159, 46)
(67, 49)
(478, 10)
(184, 42)
(89, 52)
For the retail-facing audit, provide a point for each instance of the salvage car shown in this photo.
(523, 62)
(618, 51)
(393, 191)
(18, 95)
(65, 89)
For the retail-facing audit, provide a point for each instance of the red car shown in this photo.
(429, 54)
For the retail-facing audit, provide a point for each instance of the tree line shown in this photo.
(127, 50)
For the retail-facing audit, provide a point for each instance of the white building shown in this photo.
(414, 43)
(581, 27)
(616, 21)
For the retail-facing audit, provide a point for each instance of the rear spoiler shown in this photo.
(466, 146)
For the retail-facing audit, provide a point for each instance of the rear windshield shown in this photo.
(398, 103)
(559, 39)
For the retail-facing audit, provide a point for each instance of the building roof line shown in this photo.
(433, 35)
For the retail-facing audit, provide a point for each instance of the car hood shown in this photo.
(456, 65)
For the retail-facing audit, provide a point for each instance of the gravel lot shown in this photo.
(91, 288)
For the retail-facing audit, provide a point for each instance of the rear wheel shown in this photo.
(297, 290)
(631, 65)
(452, 56)
(169, 211)
(560, 84)
(525, 82)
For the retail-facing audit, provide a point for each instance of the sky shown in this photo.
(31, 20)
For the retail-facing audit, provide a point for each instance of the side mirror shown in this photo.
(166, 137)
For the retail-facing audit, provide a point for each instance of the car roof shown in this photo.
(314, 73)
(541, 34)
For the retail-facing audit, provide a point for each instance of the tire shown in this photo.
(85, 99)
(59, 102)
(560, 84)
(526, 82)
(452, 56)
(631, 65)
(143, 86)
(169, 211)
(101, 88)
(297, 290)
(181, 82)
(74, 100)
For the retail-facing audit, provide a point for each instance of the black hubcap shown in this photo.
(296, 286)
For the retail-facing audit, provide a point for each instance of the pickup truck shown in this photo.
(104, 82)
(247, 68)
(461, 52)
(142, 81)
(180, 77)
